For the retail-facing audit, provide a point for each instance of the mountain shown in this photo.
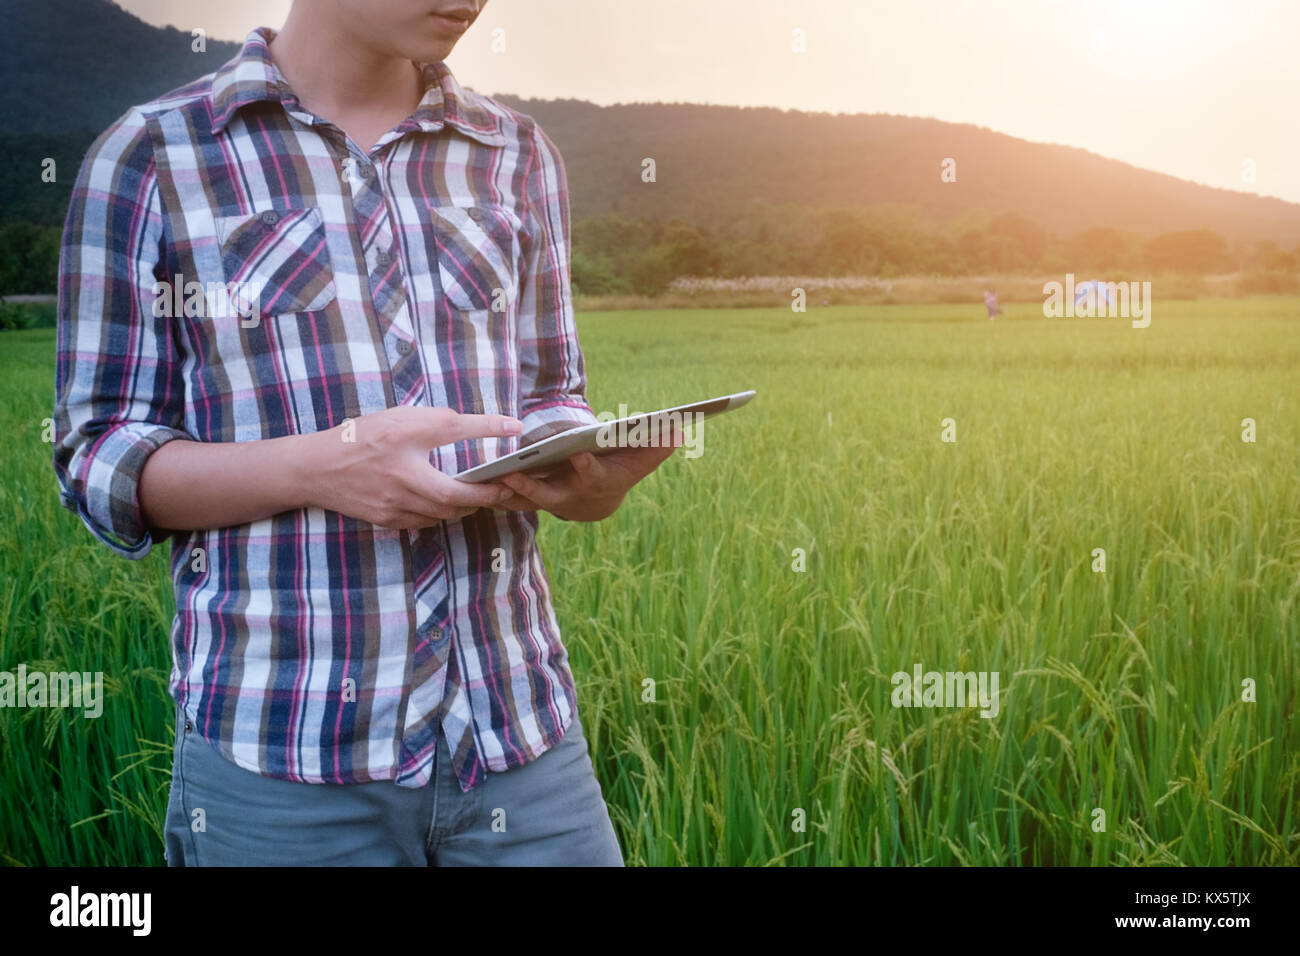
(70, 68)
(710, 160)
(73, 66)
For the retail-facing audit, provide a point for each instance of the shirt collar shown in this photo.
(252, 76)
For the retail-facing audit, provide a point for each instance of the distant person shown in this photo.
(366, 662)
(991, 303)
(1093, 294)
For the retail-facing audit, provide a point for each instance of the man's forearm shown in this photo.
(192, 485)
(375, 469)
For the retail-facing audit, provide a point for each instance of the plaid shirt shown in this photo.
(431, 271)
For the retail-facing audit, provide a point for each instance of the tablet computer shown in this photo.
(650, 428)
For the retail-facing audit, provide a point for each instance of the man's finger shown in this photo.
(533, 490)
(421, 501)
(449, 427)
(643, 460)
(517, 502)
(463, 494)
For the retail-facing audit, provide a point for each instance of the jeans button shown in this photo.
(188, 725)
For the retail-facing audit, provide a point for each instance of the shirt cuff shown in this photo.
(552, 417)
(106, 494)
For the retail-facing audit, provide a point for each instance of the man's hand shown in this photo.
(384, 476)
(592, 487)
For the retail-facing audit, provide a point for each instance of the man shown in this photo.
(366, 661)
(991, 303)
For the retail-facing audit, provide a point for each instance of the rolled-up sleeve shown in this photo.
(119, 391)
(552, 368)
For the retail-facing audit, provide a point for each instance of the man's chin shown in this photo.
(430, 52)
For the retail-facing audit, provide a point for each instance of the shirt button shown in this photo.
(270, 217)
(403, 347)
(383, 257)
(476, 214)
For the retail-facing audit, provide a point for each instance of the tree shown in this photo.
(593, 274)
(1099, 249)
(1193, 250)
(1029, 238)
(29, 258)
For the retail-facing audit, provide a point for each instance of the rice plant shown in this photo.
(736, 627)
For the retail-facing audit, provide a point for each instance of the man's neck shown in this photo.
(364, 91)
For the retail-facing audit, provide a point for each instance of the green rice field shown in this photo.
(735, 627)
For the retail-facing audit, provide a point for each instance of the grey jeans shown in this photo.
(549, 812)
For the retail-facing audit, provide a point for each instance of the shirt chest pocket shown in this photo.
(276, 261)
(475, 248)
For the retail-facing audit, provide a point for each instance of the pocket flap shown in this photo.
(475, 254)
(277, 261)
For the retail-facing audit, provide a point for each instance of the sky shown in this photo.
(1206, 90)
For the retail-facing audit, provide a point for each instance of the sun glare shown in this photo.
(1151, 38)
